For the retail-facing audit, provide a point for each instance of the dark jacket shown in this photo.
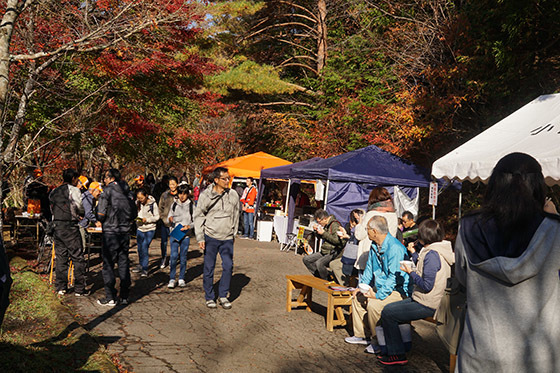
(332, 242)
(115, 210)
(66, 203)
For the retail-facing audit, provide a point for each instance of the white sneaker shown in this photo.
(356, 341)
(373, 349)
(171, 284)
(182, 283)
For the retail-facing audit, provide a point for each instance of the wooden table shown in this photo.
(92, 242)
(28, 221)
(336, 299)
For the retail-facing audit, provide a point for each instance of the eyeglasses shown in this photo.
(226, 178)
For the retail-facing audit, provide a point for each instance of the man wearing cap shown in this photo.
(83, 182)
(88, 200)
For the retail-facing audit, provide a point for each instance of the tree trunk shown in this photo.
(13, 8)
(322, 40)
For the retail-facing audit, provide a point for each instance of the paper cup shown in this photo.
(408, 263)
(364, 288)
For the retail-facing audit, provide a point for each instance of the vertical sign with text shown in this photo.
(432, 199)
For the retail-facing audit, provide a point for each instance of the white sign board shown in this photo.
(432, 198)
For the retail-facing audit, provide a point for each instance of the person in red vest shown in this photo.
(248, 200)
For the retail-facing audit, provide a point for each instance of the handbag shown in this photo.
(450, 315)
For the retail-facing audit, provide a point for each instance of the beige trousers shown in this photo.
(336, 266)
(366, 312)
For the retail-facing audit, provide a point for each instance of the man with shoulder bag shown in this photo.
(215, 220)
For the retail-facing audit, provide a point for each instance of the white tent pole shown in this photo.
(460, 202)
(326, 193)
(288, 197)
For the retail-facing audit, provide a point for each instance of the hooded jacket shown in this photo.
(383, 271)
(512, 321)
(181, 213)
(361, 234)
(446, 255)
(220, 222)
(150, 212)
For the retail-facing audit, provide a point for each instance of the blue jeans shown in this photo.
(212, 248)
(183, 247)
(248, 224)
(143, 240)
(164, 238)
(397, 313)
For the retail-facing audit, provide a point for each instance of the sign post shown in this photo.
(432, 198)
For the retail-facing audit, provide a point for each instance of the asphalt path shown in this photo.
(172, 330)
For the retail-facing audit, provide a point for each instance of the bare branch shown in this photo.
(291, 103)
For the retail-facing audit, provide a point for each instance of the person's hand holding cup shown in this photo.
(407, 265)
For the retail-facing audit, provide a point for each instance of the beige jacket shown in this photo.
(360, 232)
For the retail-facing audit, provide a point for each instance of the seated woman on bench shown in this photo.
(433, 267)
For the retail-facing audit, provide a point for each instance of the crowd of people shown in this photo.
(171, 206)
(506, 260)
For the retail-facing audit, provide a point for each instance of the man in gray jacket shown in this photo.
(215, 220)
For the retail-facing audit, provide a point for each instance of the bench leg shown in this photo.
(330, 313)
(289, 290)
(452, 362)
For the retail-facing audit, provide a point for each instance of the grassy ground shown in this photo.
(40, 335)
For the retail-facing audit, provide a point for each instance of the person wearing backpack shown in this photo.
(180, 213)
(148, 215)
(116, 212)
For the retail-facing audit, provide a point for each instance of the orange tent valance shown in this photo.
(248, 165)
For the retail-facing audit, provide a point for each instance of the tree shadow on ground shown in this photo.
(62, 353)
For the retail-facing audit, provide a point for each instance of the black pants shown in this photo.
(68, 245)
(115, 250)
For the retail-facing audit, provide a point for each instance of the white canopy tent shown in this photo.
(534, 129)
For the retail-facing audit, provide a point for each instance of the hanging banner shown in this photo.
(432, 199)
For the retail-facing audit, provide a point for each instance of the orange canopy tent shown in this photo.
(248, 165)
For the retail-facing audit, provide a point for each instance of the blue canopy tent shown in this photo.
(283, 173)
(351, 176)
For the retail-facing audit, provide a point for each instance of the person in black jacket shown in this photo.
(67, 209)
(115, 211)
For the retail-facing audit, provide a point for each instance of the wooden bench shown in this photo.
(336, 299)
(452, 357)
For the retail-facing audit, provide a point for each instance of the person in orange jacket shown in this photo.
(248, 200)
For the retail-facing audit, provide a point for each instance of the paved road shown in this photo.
(164, 330)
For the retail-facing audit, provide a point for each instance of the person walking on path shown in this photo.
(148, 215)
(248, 202)
(115, 211)
(215, 220)
(166, 200)
(180, 213)
(67, 208)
